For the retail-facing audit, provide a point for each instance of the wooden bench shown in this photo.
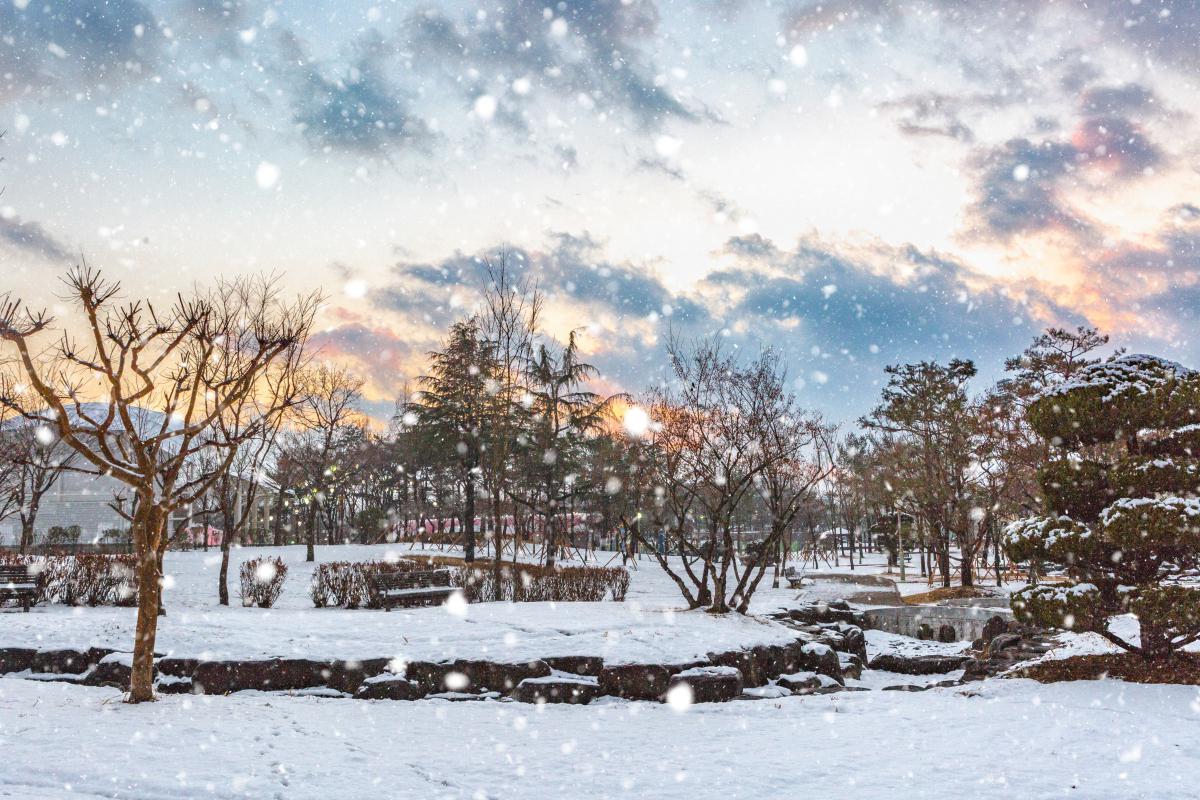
(17, 582)
(795, 579)
(422, 588)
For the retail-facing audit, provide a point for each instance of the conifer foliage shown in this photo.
(1122, 514)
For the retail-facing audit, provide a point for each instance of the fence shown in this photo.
(82, 548)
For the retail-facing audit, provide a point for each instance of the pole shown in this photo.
(900, 539)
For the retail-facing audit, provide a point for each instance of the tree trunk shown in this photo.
(548, 533)
(26, 535)
(311, 534)
(277, 522)
(148, 534)
(223, 577)
(1155, 642)
(469, 518)
(968, 570)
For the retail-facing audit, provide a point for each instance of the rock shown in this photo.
(481, 676)
(170, 684)
(577, 665)
(745, 661)
(73, 662)
(115, 670)
(555, 689)
(993, 628)
(799, 681)
(975, 669)
(1002, 642)
(709, 684)
(946, 634)
(348, 676)
(905, 687)
(855, 639)
(223, 677)
(820, 658)
(917, 665)
(772, 660)
(837, 611)
(639, 681)
(178, 667)
(850, 665)
(388, 687)
(16, 659)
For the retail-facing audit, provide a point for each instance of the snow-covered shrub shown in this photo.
(1126, 529)
(262, 581)
(347, 583)
(528, 583)
(83, 580)
(99, 580)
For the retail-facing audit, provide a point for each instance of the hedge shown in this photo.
(347, 584)
(82, 580)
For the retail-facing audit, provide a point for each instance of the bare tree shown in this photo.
(725, 432)
(330, 405)
(169, 385)
(509, 322)
(39, 459)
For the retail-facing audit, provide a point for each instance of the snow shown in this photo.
(1135, 373)
(1001, 739)
(651, 626)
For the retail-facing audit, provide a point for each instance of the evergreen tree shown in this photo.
(1126, 529)
(455, 400)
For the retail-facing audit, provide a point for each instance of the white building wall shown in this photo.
(75, 499)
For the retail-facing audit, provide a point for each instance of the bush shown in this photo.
(346, 583)
(83, 580)
(528, 583)
(262, 581)
(59, 535)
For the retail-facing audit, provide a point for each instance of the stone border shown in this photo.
(819, 648)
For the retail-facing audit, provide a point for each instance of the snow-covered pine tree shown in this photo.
(1123, 517)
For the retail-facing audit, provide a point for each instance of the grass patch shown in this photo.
(948, 593)
(1184, 668)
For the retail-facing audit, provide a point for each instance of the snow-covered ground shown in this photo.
(651, 625)
(1003, 739)
(1000, 738)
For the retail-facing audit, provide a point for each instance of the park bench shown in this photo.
(794, 578)
(16, 582)
(419, 588)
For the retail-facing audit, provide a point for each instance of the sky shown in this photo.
(855, 183)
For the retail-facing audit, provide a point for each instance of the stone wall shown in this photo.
(967, 622)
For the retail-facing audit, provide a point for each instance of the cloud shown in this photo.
(377, 352)
(1018, 189)
(359, 111)
(1123, 99)
(589, 50)
(32, 238)
(1116, 144)
(839, 313)
(75, 43)
(574, 268)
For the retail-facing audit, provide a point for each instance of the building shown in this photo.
(94, 503)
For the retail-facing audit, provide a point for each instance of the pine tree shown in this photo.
(455, 403)
(1125, 528)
